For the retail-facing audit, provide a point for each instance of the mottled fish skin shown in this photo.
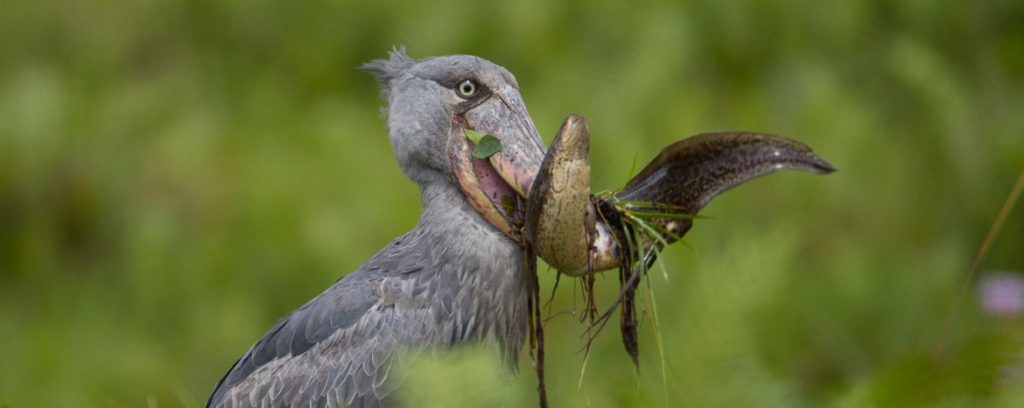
(685, 176)
(689, 173)
(692, 171)
(559, 215)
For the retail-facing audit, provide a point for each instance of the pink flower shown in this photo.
(1002, 294)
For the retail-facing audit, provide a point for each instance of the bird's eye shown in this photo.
(467, 88)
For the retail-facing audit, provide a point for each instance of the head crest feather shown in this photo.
(386, 70)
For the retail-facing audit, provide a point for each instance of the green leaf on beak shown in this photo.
(486, 147)
(473, 136)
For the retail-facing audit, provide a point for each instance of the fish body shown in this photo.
(578, 233)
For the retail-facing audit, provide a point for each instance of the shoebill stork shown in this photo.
(460, 274)
(456, 277)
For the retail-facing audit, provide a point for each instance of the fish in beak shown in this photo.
(560, 219)
(576, 232)
(548, 192)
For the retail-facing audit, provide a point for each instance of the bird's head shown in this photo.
(431, 102)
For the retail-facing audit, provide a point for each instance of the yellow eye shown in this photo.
(467, 88)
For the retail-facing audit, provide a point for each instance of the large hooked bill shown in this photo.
(497, 185)
(576, 232)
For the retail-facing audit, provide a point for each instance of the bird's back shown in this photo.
(340, 347)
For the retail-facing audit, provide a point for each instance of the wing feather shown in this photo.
(338, 346)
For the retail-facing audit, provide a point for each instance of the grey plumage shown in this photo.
(453, 278)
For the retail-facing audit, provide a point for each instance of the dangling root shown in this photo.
(536, 324)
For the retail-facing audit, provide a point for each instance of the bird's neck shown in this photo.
(482, 269)
(444, 204)
(451, 220)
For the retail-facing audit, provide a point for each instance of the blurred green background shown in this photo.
(175, 176)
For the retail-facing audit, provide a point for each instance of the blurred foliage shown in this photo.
(175, 176)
